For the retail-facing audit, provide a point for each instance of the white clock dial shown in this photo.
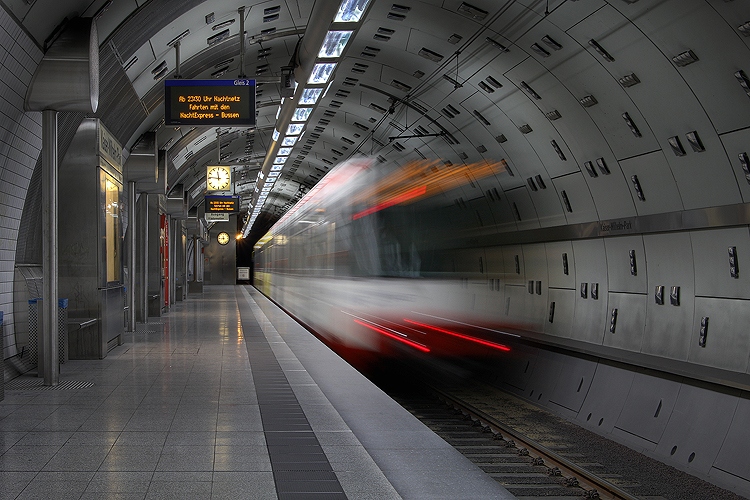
(218, 178)
(222, 238)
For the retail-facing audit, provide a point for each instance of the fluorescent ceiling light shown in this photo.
(351, 11)
(294, 129)
(280, 160)
(288, 141)
(321, 72)
(275, 135)
(310, 96)
(334, 43)
(275, 168)
(301, 114)
(285, 151)
(274, 174)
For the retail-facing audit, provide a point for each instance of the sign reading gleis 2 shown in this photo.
(212, 103)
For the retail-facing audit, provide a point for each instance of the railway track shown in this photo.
(525, 468)
(533, 453)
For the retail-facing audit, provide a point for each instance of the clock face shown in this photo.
(218, 178)
(222, 238)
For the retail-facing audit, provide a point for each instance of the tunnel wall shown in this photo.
(20, 145)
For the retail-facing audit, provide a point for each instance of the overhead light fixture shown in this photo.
(321, 73)
(525, 86)
(280, 160)
(334, 43)
(588, 101)
(606, 55)
(179, 37)
(216, 27)
(497, 44)
(551, 42)
(351, 11)
(275, 168)
(289, 141)
(275, 135)
(431, 55)
(301, 114)
(685, 58)
(629, 80)
(310, 96)
(473, 12)
(294, 129)
(743, 80)
(631, 125)
(285, 151)
(217, 38)
(541, 51)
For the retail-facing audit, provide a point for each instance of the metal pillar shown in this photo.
(241, 12)
(144, 250)
(49, 366)
(131, 256)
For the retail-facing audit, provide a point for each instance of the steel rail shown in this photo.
(586, 479)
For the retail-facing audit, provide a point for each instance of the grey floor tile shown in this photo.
(50, 438)
(186, 458)
(45, 490)
(131, 458)
(77, 458)
(184, 490)
(191, 438)
(94, 438)
(141, 438)
(234, 485)
(13, 483)
(120, 482)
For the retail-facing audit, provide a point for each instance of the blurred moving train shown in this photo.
(368, 259)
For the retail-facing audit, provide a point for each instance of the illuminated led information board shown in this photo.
(222, 204)
(213, 103)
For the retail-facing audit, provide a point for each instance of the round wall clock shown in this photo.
(218, 178)
(222, 238)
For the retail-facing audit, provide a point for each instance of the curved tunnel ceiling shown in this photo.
(601, 109)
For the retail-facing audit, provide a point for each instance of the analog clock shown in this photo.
(218, 178)
(222, 238)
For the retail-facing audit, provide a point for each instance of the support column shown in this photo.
(131, 256)
(49, 366)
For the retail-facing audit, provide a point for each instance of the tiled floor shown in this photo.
(174, 414)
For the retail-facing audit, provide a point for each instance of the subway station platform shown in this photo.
(224, 397)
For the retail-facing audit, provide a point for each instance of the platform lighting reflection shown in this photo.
(321, 73)
(477, 340)
(301, 114)
(310, 96)
(294, 129)
(285, 151)
(415, 345)
(334, 43)
(289, 141)
(351, 11)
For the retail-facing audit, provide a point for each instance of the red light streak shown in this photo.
(410, 343)
(461, 336)
(412, 193)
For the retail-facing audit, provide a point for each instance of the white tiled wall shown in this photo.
(20, 144)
